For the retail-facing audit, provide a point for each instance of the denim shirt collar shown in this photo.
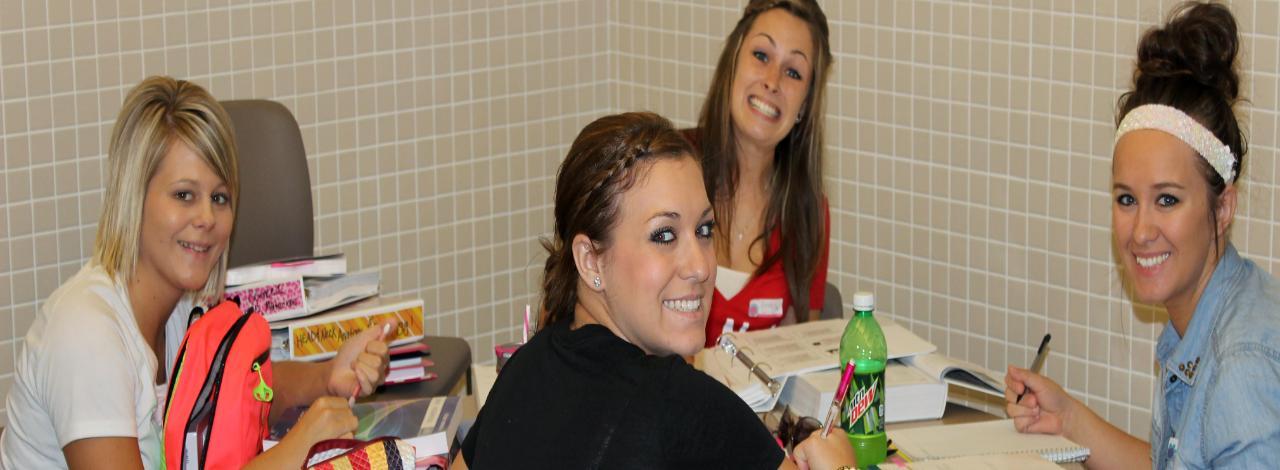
(1181, 356)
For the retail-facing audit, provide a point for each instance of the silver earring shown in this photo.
(596, 282)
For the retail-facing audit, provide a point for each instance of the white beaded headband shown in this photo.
(1174, 122)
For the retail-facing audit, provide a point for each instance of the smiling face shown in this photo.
(1160, 219)
(659, 269)
(186, 223)
(771, 81)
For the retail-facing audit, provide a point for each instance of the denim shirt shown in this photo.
(1217, 402)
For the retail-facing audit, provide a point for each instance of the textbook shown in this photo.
(909, 395)
(408, 369)
(996, 437)
(960, 372)
(297, 296)
(428, 423)
(328, 265)
(324, 293)
(320, 336)
(274, 299)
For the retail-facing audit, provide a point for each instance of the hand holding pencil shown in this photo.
(361, 363)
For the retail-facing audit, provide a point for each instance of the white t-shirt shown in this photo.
(86, 371)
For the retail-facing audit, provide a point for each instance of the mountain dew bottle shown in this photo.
(862, 413)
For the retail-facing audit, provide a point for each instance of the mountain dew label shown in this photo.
(863, 411)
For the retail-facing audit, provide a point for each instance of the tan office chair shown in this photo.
(274, 221)
(274, 216)
(832, 304)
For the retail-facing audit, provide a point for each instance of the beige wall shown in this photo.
(432, 129)
(968, 148)
(968, 166)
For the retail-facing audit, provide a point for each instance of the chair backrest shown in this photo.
(274, 215)
(832, 304)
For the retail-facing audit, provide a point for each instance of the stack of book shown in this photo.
(313, 305)
(409, 363)
(296, 288)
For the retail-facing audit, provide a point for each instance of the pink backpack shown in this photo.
(220, 394)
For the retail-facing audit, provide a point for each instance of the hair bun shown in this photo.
(1200, 42)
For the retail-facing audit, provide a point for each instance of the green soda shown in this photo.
(862, 413)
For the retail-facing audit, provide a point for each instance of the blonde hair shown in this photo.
(158, 112)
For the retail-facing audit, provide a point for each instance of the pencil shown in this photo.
(351, 401)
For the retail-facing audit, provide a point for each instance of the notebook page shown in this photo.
(983, 438)
(988, 462)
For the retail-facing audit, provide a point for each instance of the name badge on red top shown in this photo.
(765, 308)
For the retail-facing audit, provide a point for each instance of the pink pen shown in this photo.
(526, 324)
(839, 398)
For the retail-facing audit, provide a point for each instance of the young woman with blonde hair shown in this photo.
(90, 379)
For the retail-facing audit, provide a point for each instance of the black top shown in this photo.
(587, 399)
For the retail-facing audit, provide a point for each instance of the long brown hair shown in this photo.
(795, 204)
(1190, 64)
(603, 163)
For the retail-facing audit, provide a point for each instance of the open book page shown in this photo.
(988, 462)
(901, 341)
(812, 346)
(793, 349)
(960, 372)
(983, 438)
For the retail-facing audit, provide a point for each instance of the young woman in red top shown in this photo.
(760, 134)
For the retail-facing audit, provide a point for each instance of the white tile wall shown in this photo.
(968, 148)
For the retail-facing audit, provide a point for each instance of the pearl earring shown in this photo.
(596, 281)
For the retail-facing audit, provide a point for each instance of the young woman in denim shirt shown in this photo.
(1178, 155)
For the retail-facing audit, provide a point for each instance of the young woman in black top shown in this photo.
(626, 290)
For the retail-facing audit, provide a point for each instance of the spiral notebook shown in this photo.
(983, 438)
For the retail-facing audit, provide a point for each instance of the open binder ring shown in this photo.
(726, 343)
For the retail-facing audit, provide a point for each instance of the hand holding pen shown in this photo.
(1048, 406)
(838, 401)
(355, 392)
(1037, 363)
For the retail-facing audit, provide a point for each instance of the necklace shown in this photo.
(740, 229)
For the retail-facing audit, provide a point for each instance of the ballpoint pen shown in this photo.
(1037, 363)
(839, 398)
